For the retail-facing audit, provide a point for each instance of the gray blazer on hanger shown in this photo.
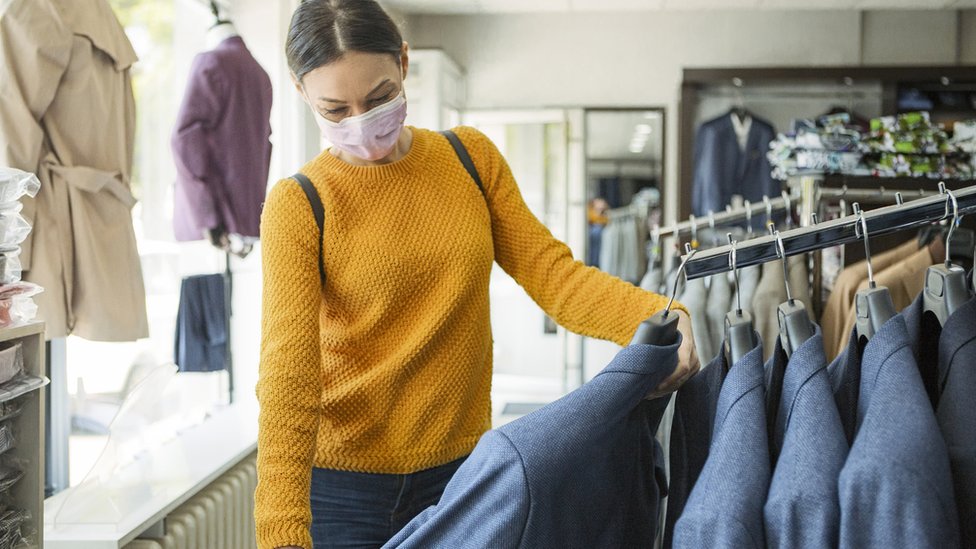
(802, 509)
(896, 486)
(584, 471)
(955, 412)
(725, 508)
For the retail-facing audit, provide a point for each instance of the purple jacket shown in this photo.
(221, 144)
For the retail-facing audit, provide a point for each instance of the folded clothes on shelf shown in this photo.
(905, 145)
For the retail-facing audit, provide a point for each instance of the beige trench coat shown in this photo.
(67, 113)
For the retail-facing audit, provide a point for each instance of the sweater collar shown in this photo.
(330, 166)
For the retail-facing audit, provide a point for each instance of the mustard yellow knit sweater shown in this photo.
(389, 369)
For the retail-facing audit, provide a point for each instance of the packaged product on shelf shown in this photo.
(12, 523)
(10, 409)
(11, 471)
(14, 228)
(11, 362)
(15, 184)
(11, 269)
(7, 438)
(16, 303)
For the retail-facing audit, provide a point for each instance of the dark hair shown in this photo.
(322, 31)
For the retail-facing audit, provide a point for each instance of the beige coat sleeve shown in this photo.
(35, 48)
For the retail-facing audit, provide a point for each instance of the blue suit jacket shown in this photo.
(584, 471)
(725, 508)
(955, 380)
(896, 487)
(802, 509)
(691, 436)
(722, 169)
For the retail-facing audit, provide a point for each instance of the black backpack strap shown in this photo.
(465, 158)
(318, 211)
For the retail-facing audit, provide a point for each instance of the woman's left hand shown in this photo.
(688, 364)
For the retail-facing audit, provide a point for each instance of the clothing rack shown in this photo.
(881, 221)
(732, 216)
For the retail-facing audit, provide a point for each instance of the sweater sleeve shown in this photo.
(289, 384)
(583, 299)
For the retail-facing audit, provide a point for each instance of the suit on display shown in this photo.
(68, 115)
(725, 508)
(221, 142)
(955, 379)
(802, 509)
(584, 471)
(896, 486)
(723, 169)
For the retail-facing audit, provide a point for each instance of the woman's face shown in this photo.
(355, 84)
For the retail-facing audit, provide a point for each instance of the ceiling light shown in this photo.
(636, 149)
(643, 129)
(651, 115)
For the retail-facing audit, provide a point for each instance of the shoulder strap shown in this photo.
(465, 158)
(318, 211)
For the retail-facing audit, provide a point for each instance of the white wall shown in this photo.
(636, 58)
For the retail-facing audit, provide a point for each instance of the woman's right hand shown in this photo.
(688, 364)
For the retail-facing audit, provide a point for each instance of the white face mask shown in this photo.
(371, 135)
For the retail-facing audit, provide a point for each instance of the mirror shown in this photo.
(624, 173)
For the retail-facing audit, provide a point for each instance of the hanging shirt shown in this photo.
(955, 381)
(802, 509)
(896, 486)
(725, 508)
(221, 144)
(584, 471)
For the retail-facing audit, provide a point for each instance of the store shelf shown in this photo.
(28, 423)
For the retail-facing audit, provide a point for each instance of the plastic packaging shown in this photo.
(11, 269)
(10, 473)
(14, 228)
(11, 525)
(11, 362)
(8, 410)
(15, 184)
(7, 439)
(16, 305)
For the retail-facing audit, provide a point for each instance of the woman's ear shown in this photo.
(404, 59)
(299, 88)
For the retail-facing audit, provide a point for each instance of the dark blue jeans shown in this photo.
(365, 510)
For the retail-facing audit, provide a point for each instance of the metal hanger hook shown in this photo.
(735, 273)
(950, 198)
(862, 224)
(689, 253)
(781, 253)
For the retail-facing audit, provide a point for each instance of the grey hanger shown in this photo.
(945, 285)
(740, 336)
(873, 305)
(662, 328)
(794, 323)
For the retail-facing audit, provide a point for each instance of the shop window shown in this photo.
(166, 35)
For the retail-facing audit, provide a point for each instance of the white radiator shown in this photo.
(221, 516)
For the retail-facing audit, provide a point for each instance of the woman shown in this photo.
(374, 388)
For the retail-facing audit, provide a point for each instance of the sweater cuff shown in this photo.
(676, 306)
(284, 535)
